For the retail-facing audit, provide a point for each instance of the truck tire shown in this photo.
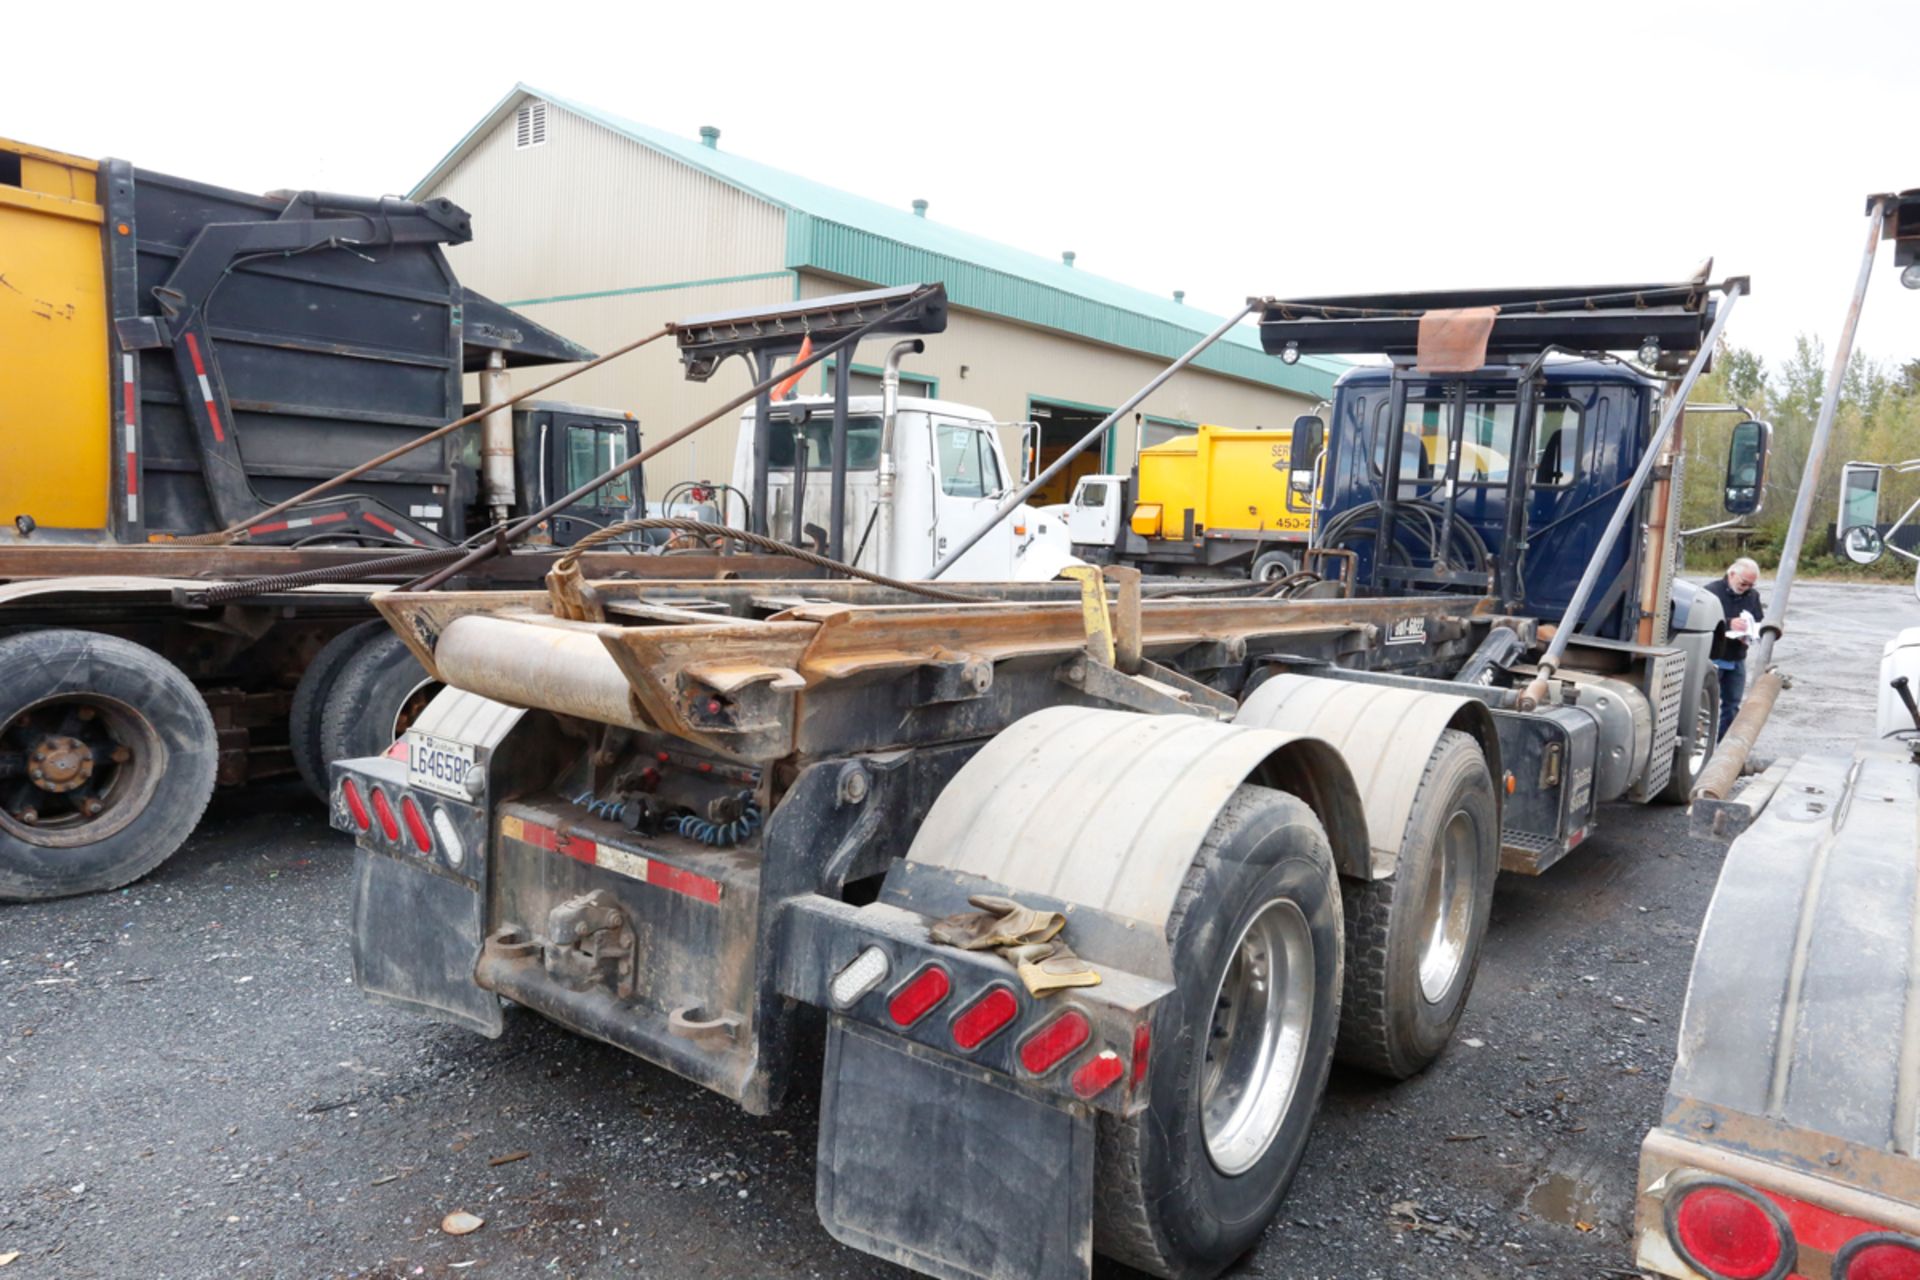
(1240, 1051)
(376, 694)
(310, 700)
(1271, 566)
(1413, 938)
(126, 751)
(1689, 758)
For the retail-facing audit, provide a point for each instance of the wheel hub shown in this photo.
(74, 769)
(1257, 1041)
(61, 763)
(1447, 912)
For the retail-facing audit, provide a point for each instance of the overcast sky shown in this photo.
(1280, 148)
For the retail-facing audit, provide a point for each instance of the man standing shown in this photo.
(1740, 601)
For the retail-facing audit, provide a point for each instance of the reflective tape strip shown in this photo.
(206, 388)
(397, 532)
(130, 418)
(609, 858)
(300, 522)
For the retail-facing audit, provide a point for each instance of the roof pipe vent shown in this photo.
(1180, 297)
(1067, 256)
(709, 137)
(919, 208)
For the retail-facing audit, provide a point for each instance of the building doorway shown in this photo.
(1061, 423)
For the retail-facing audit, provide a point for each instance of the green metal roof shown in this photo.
(838, 233)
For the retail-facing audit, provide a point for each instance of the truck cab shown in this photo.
(1591, 422)
(948, 472)
(1214, 502)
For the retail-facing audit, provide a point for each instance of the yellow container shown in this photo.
(1234, 480)
(54, 381)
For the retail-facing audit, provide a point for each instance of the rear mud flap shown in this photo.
(416, 937)
(949, 1169)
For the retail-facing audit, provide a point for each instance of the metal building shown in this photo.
(603, 229)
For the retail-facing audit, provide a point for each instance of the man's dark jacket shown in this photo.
(1733, 604)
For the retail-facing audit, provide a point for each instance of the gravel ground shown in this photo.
(193, 1088)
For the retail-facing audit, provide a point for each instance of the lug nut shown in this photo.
(91, 807)
(38, 773)
(29, 816)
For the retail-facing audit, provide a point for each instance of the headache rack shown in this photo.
(1670, 328)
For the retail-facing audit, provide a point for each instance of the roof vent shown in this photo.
(1067, 256)
(919, 208)
(530, 125)
(709, 137)
(1180, 296)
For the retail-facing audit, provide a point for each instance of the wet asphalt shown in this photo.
(190, 1086)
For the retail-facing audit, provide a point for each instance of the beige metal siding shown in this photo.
(647, 383)
(1008, 362)
(589, 211)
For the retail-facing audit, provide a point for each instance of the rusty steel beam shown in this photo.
(1730, 757)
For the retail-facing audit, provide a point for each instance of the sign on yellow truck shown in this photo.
(1219, 501)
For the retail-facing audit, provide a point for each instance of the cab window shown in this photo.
(1556, 445)
(968, 466)
(863, 443)
(592, 451)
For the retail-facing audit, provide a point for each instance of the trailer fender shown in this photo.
(1383, 735)
(1106, 809)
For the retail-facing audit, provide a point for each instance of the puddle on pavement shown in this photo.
(1566, 1200)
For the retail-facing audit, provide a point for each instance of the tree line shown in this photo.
(1878, 420)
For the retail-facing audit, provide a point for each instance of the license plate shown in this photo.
(438, 765)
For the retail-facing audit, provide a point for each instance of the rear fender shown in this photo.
(1384, 735)
(1106, 809)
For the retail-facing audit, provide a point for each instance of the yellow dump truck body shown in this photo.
(1233, 480)
(54, 416)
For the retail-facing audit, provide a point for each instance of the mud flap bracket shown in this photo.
(950, 1169)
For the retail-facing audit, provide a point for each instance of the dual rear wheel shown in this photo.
(1281, 967)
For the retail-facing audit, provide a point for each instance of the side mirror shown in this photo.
(1029, 451)
(1862, 544)
(1309, 436)
(1746, 468)
(1857, 529)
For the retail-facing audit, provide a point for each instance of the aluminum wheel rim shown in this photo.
(122, 788)
(1257, 1042)
(1446, 914)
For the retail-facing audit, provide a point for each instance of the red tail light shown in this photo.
(416, 824)
(1729, 1234)
(1098, 1074)
(923, 992)
(987, 1015)
(1055, 1041)
(1142, 1044)
(1879, 1257)
(384, 811)
(355, 805)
